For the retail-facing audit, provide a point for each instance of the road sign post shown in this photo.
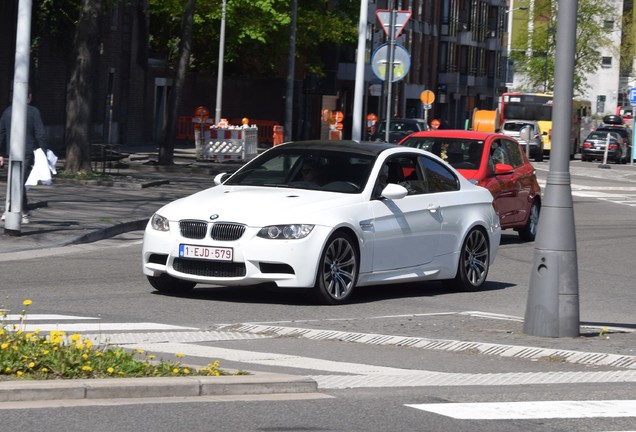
(427, 97)
(395, 20)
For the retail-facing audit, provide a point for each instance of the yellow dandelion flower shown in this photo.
(4, 346)
(27, 302)
(110, 370)
(84, 356)
(151, 357)
(1, 332)
(75, 337)
(37, 331)
(186, 371)
(179, 355)
(45, 352)
(87, 368)
(28, 335)
(7, 369)
(45, 370)
(31, 365)
(88, 343)
(79, 346)
(139, 351)
(175, 370)
(19, 373)
(217, 373)
(120, 373)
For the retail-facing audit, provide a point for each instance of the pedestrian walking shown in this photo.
(35, 138)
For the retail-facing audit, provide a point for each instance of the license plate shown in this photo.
(205, 252)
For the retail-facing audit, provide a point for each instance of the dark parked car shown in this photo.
(398, 129)
(513, 128)
(594, 146)
(625, 133)
(496, 162)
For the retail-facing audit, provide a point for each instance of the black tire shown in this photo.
(529, 232)
(169, 285)
(474, 263)
(337, 270)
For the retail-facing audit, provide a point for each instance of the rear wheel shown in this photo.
(529, 232)
(337, 270)
(170, 285)
(474, 262)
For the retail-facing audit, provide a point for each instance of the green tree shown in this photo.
(537, 64)
(257, 33)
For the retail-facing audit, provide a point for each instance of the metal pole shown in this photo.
(356, 129)
(219, 77)
(15, 181)
(389, 73)
(291, 67)
(553, 297)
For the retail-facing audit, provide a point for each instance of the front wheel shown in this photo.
(170, 285)
(337, 270)
(474, 262)
(529, 232)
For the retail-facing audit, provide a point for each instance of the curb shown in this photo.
(130, 388)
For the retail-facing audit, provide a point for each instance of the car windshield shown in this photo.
(515, 126)
(601, 135)
(460, 153)
(400, 126)
(315, 169)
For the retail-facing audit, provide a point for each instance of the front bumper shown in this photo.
(287, 263)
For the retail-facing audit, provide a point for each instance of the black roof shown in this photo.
(370, 148)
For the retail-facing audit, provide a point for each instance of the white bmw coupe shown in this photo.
(327, 215)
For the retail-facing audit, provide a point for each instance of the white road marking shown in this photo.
(99, 327)
(532, 410)
(359, 375)
(44, 317)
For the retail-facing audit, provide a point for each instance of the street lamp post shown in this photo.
(219, 78)
(509, 63)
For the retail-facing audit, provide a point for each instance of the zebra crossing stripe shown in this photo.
(532, 410)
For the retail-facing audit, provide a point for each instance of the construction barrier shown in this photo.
(230, 143)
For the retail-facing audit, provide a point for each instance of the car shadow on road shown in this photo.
(269, 294)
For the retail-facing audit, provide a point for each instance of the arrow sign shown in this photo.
(401, 18)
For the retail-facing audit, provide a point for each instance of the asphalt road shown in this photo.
(367, 384)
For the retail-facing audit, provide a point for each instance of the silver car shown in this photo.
(534, 146)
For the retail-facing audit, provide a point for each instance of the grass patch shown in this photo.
(56, 355)
(82, 175)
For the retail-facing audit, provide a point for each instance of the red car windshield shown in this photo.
(460, 153)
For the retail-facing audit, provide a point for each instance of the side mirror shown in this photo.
(503, 169)
(395, 191)
(220, 178)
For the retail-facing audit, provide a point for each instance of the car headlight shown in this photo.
(285, 232)
(159, 223)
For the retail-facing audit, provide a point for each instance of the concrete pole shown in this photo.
(553, 298)
(15, 181)
(219, 75)
(358, 98)
(291, 67)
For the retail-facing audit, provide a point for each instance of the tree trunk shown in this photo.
(80, 88)
(168, 133)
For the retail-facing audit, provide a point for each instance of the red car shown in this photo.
(496, 162)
